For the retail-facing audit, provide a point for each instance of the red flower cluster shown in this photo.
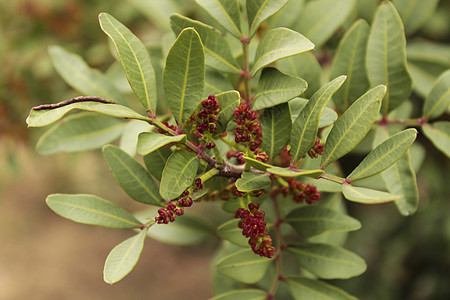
(301, 192)
(174, 208)
(316, 150)
(198, 185)
(208, 116)
(255, 228)
(248, 130)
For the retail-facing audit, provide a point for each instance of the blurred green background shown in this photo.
(43, 256)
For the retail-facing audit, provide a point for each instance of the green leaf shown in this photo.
(279, 43)
(439, 135)
(304, 66)
(353, 125)
(134, 59)
(310, 221)
(228, 102)
(92, 210)
(386, 57)
(184, 75)
(400, 179)
(231, 232)
(42, 116)
(156, 160)
(321, 18)
(250, 294)
(178, 174)
(414, 14)
(81, 77)
(215, 83)
(328, 116)
(150, 141)
(276, 126)
(350, 61)
(438, 100)
(80, 132)
(275, 88)
(294, 173)
(327, 261)
(132, 177)
(305, 288)
(384, 155)
(366, 196)
(122, 259)
(226, 12)
(252, 181)
(305, 127)
(244, 266)
(217, 50)
(260, 10)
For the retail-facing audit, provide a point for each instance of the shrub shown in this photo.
(245, 131)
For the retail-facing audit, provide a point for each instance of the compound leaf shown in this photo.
(353, 125)
(327, 261)
(279, 43)
(305, 127)
(178, 174)
(386, 57)
(184, 75)
(92, 210)
(135, 60)
(122, 258)
(132, 177)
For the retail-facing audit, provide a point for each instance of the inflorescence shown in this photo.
(208, 116)
(300, 191)
(255, 228)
